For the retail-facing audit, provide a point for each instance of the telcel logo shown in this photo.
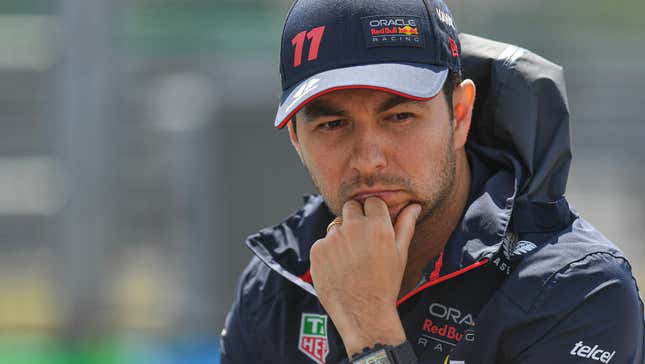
(583, 351)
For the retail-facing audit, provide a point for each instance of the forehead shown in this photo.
(342, 102)
(352, 96)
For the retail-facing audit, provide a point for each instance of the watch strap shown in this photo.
(404, 354)
(386, 354)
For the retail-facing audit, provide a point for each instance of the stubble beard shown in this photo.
(432, 199)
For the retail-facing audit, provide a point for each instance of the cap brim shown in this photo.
(414, 81)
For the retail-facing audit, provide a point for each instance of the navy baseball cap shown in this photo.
(404, 47)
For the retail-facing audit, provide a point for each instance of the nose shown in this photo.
(369, 152)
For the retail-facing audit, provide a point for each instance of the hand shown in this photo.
(357, 270)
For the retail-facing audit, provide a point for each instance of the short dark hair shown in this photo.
(453, 80)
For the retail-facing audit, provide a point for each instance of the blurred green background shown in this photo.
(137, 151)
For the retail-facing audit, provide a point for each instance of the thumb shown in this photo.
(404, 228)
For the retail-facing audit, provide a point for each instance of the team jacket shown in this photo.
(523, 278)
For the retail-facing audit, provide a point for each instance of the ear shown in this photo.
(463, 101)
(294, 138)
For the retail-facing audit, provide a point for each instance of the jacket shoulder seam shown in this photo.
(552, 280)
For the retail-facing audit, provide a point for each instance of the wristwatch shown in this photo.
(386, 354)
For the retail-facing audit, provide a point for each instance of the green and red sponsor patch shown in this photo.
(313, 337)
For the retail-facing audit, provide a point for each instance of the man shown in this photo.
(441, 234)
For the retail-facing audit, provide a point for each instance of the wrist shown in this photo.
(361, 334)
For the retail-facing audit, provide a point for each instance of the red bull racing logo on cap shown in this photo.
(383, 31)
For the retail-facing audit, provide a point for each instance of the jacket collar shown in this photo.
(285, 247)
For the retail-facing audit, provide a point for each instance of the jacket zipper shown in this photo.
(438, 280)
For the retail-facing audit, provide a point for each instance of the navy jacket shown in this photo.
(523, 278)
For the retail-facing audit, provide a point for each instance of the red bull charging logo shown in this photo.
(393, 31)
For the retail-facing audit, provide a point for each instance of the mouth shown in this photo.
(395, 199)
(384, 194)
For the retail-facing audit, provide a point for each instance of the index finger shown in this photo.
(352, 210)
(377, 208)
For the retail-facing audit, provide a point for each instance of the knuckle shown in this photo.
(316, 250)
(382, 231)
(350, 224)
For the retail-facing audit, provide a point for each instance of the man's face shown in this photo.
(361, 143)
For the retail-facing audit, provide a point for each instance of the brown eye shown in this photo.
(330, 125)
(402, 116)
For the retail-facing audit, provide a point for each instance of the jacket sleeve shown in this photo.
(606, 327)
(237, 341)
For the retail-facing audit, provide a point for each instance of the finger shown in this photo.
(377, 208)
(404, 228)
(352, 210)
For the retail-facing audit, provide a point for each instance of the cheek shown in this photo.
(325, 166)
(423, 145)
(422, 154)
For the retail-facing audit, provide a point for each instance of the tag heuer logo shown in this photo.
(313, 337)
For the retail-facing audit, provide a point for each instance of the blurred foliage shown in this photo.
(119, 349)
(40, 349)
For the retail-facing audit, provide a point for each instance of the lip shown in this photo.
(383, 194)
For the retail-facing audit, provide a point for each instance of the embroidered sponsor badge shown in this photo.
(445, 18)
(595, 353)
(383, 31)
(523, 247)
(445, 327)
(313, 337)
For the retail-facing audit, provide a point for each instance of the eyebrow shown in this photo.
(321, 108)
(396, 100)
